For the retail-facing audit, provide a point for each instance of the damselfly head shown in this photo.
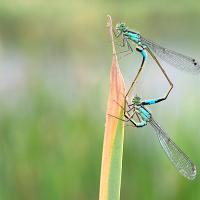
(121, 27)
(136, 100)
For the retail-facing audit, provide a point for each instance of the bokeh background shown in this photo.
(55, 58)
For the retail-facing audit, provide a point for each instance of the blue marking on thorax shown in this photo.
(135, 37)
(141, 124)
(144, 114)
(144, 117)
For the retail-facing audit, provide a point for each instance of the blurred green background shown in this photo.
(55, 58)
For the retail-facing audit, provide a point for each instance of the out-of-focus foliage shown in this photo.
(54, 77)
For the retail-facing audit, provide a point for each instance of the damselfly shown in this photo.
(144, 45)
(178, 158)
(137, 110)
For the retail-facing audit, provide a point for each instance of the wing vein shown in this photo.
(173, 58)
(178, 158)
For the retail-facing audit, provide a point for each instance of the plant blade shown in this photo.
(111, 168)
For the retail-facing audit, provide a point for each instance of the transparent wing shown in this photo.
(175, 59)
(181, 161)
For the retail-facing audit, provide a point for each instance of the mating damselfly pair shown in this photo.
(136, 112)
